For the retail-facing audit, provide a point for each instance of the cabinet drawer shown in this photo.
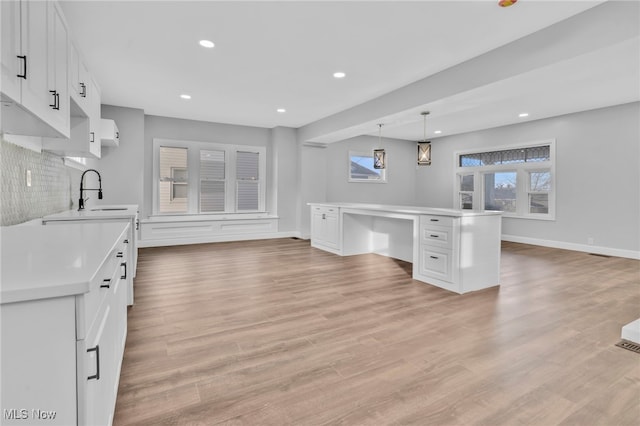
(436, 220)
(103, 283)
(326, 210)
(436, 263)
(437, 236)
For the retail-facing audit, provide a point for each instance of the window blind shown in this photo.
(248, 185)
(212, 181)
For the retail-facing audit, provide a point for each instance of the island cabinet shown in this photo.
(325, 228)
(63, 337)
(460, 254)
(458, 250)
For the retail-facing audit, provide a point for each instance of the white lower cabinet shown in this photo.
(325, 228)
(460, 254)
(61, 356)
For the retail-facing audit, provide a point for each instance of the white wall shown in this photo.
(284, 174)
(121, 167)
(312, 183)
(401, 163)
(597, 177)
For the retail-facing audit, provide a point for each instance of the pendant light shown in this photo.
(379, 155)
(424, 147)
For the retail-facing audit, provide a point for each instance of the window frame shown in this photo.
(523, 172)
(194, 180)
(383, 172)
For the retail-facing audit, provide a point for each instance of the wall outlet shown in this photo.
(28, 178)
(590, 241)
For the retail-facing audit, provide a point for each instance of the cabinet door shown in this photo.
(95, 372)
(11, 65)
(95, 143)
(332, 230)
(58, 61)
(318, 230)
(35, 95)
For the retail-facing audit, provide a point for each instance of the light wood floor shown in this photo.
(278, 333)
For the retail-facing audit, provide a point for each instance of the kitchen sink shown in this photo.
(109, 209)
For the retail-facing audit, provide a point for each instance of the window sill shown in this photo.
(208, 217)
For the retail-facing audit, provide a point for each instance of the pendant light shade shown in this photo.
(424, 147)
(379, 155)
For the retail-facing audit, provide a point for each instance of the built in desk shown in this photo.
(458, 250)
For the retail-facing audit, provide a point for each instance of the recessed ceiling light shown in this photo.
(437, 132)
(185, 96)
(523, 114)
(281, 110)
(339, 74)
(207, 43)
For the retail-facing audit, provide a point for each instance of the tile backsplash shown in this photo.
(53, 188)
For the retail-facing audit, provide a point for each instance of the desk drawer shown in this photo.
(325, 210)
(436, 236)
(436, 263)
(436, 220)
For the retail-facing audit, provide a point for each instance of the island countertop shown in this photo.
(39, 262)
(417, 210)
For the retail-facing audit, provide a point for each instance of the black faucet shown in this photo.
(81, 200)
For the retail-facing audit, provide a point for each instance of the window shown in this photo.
(208, 178)
(173, 186)
(517, 180)
(361, 168)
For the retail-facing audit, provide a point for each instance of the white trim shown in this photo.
(217, 239)
(609, 251)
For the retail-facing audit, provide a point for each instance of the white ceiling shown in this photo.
(271, 55)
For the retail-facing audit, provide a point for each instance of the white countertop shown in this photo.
(39, 262)
(408, 209)
(122, 211)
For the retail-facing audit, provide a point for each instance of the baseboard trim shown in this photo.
(608, 251)
(216, 239)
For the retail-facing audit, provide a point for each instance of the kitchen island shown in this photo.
(458, 250)
(63, 322)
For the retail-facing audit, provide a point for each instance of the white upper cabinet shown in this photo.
(85, 130)
(12, 64)
(34, 88)
(79, 84)
(110, 135)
